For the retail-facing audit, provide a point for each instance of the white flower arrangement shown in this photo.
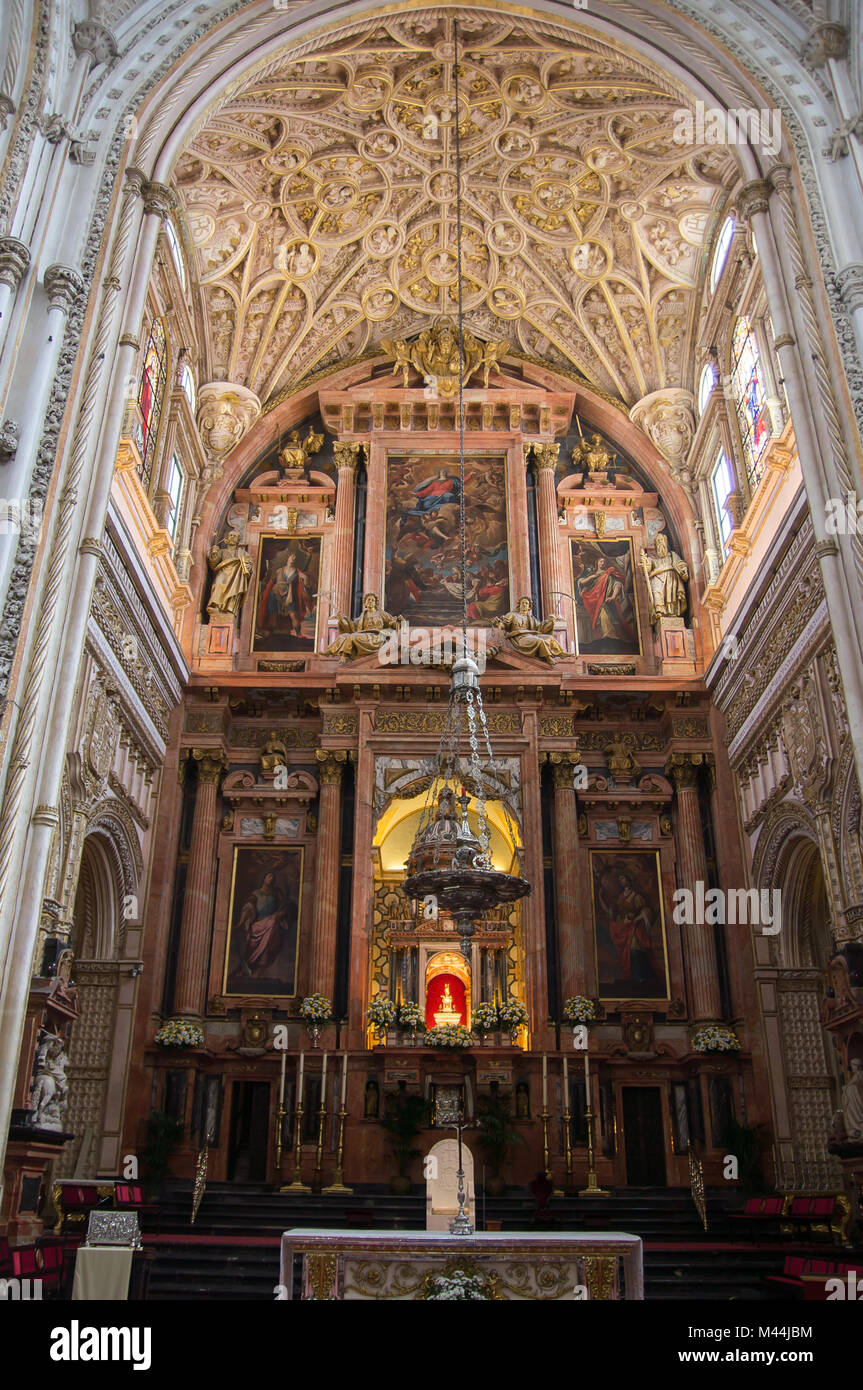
(485, 1018)
(411, 1017)
(715, 1038)
(513, 1014)
(381, 1012)
(178, 1033)
(316, 1008)
(453, 1035)
(458, 1286)
(579, 1009)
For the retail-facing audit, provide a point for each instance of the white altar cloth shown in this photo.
(392, 1264)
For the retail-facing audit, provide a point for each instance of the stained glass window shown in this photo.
(747, 390)
(722, 479)
(151, 394)
(187, 382)
(176, 253)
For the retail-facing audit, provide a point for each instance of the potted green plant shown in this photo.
(163, 1136)
(402, 1128)
(496, 1137)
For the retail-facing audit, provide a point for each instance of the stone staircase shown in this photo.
(232, 1251)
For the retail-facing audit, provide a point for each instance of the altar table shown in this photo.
(527, 1265)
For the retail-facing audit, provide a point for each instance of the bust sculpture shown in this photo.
(528, 635)
(233, 570)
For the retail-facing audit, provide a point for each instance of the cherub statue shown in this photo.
(527, 635)
(363, 635)
(233, 570)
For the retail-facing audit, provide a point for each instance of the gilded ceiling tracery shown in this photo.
(320, 199)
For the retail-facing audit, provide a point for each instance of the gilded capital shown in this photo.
(682, 769)
(546, 455)
(347, 454)
(563, 766)
(211, 763)
(331, 762)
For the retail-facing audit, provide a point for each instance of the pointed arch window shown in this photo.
(720, 252)
(151, 395)
(748, 394)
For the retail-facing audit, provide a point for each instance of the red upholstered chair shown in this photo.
(759, 1214)
(130, 1197)
(25, 1263)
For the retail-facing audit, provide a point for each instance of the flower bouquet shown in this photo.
(579, 1009)
(457, 1287)
(513, 1015)
(452, 1035)
(381, 1015)
(178, 1033)
(411, 1019)
(315, 1011)
(715, 1038)
(485, 1019)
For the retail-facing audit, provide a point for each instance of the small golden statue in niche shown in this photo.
(527, 635)
(233, 570)
(622, 764)
(447, 1013)
(592, 455)
(364, 635)
(435, 356)
(274, 754)
(294, 456)
(666, 576)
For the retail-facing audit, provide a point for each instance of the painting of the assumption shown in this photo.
(628, 923)
(423, 580)
(286, 604)
(266, 892)
(604, 594)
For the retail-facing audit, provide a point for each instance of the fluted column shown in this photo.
(191, 986)
(573, 961)
(701, 967)
(347, 456)
(331, 762)
(546, 456)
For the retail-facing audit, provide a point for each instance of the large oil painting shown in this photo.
(423, 579)
(263, 933)
(604, 592)
(629, 926)
(286, 599)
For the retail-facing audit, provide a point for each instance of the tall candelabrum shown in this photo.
(593, 1189)
(338, 1184)
(450, 1115)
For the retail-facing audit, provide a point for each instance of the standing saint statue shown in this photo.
(848, 1120)
(666, 575)
(363, 635)
(529, 636)
(233, 570)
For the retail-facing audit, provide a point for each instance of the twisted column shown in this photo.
(331, 762)
(701, 967)
(191, 986)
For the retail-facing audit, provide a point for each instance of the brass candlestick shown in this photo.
(319, 1150)
(592, 1189)
(544, 1116)
(339, 1184)
(567, 1145)
(280, 1120)
(297, 1185)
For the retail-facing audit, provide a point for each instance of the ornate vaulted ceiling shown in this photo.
(320, 199)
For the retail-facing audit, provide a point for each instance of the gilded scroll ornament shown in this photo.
(435, 355)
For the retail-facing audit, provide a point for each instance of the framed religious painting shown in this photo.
(263, 921)
(286, 594)
(603, 588)
(628, 925)
(422, 551)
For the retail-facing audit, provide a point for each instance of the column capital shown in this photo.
(159, 199)
(562, 765)
(849, 283)
(825, 41)
(94, 38)
(64, 286)
(781, 177)
(546, 455)
(331, 763)
(347, 452)
(212, 762)
(682, 768)
(753, 198)
(14, 260)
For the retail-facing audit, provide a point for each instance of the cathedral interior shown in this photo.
(432, 638)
